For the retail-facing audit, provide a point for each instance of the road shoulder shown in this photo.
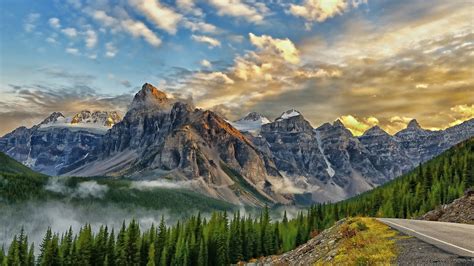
(412, 251)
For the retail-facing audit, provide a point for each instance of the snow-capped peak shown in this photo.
(288, 114)
(252, 122)
(53, 118)
(254, 116)
(98, 121)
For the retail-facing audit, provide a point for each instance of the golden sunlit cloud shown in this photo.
(358, 126)
(282, 47)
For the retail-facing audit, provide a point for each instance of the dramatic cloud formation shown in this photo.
(284, 48)
(363, 62)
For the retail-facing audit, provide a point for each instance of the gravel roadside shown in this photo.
(413, 251)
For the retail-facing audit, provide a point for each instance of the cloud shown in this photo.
(111, 50)
(55, 23)
(70, 32)
(126, 83)
(91, 38)
(163, 17)
(132, 27)
(239, 9)
(421, 86)
(461, 113)
(321, 10)
(137, 28)
(189, 6)
(86, 189)
(282, 47)
(212, 42)
(151, 184)
(214, 77)
(72, 50)
(358, 125)
(205, 63)
(30, 22)
(69, 77)
(196, 25)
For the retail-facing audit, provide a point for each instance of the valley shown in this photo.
(408, 196)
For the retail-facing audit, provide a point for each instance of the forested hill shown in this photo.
(10, 166)
(225, 239)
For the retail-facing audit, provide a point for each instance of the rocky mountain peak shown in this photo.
(252, 122)
(52, 118)
(336, 129)
(254, 116)
(413, 125)
(338, 123)
(150, 97)
(101, 118)
(374, 131)
(289, 121)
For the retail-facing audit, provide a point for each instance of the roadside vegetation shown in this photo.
(366, 241)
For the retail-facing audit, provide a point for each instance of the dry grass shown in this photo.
(365, 242)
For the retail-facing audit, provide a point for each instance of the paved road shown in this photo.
(452, 237)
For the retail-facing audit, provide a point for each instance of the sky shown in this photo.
(365, 62)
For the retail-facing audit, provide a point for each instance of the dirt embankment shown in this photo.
(459, 211)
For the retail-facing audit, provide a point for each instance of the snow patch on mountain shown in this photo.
(97, 122)
(252, 122)
(288, 114)
(329, 168)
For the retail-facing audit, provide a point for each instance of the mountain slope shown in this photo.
(160, 138)
(19, 183)
(10, 166)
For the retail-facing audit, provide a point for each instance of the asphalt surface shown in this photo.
(452, 237)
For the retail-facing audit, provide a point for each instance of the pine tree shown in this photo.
(202, 257)
(13, 257)
(151, 255)
(133, 244)
(23, 247)
(2, 256)
(160, 241)
(31, 256)
(44, 248)
(121, 246)
(111, 258)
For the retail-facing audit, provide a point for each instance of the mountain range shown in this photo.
(251, 161)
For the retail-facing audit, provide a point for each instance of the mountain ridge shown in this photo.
(161, 137)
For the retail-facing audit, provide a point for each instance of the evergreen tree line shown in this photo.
(224, 239)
